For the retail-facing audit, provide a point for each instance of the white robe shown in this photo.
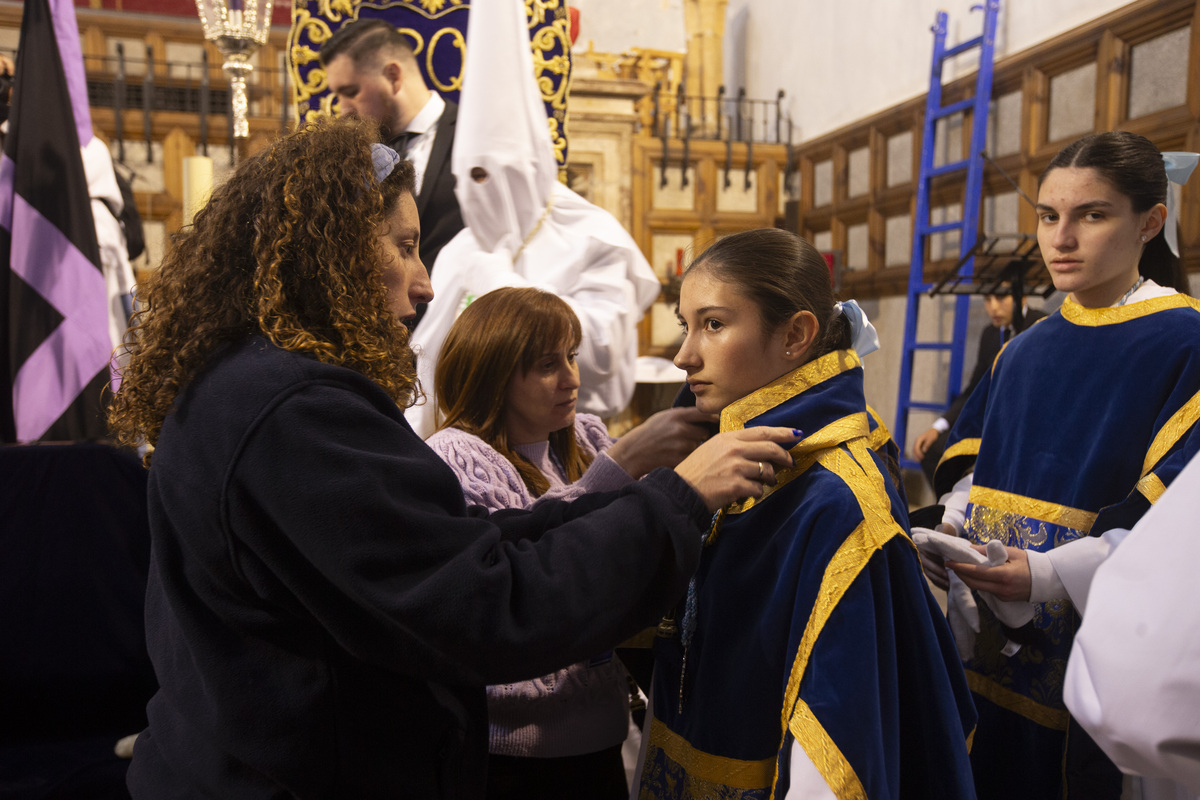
(1133, 679)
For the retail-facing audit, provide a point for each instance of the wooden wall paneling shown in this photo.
(1193, 89)
(155, 41)
(640, 198)
(1154, 19)
(93, 44)
(1035, 96)
(176, 145)
(876, 239)
(768, 188)
(841, 173)
(1112, 82)
(805, 165)
(877, 142)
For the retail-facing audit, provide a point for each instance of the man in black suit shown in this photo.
(929, 445)
(371, 69)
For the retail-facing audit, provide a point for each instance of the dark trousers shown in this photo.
(592, 776)
(933, 455)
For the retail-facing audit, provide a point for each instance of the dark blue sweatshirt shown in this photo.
(323, 609)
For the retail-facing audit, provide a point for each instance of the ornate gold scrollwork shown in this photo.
(430, 9)
(454, 84)
(417, 39)
(307, 28)
(434, 6)
(535, 10)
(335, 9)
(553, 72)
(303, 55)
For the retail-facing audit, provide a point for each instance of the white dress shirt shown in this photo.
(424, 125)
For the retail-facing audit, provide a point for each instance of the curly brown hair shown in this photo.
(287, 248)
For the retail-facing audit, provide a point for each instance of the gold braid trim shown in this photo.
(1094, 317)
(805, 454)
(1022, 506)
(1171, 432)
(1152, 487)
(1047, 717)
(857, 469)
(706, 767)
(965, 447)
(825, 754)
(735, 415)
(881, 435)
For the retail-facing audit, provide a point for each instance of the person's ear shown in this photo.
(1153, 221)
(394, 74)
(799, 335)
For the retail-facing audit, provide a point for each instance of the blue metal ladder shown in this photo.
(967, 227)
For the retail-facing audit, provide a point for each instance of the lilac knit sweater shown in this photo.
(584, 707)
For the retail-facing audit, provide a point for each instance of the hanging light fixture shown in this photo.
(238, 28)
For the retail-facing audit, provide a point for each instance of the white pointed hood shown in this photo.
(524, 228)
(501, 129)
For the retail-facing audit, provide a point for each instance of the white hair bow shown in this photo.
(865, 338)
(1179, 166)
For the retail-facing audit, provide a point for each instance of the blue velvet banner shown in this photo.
(437, 29)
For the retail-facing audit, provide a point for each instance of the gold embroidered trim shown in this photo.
(880, 436)
(1023, 506)
(1152, 487)
(1053, 718)
(805, 453)
(1094, 317)
(966, 447)
(857, 469)
(736, 414)
(1171, 432)
(724, 771)
(825, 754)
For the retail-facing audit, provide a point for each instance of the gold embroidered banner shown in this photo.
(437, 29)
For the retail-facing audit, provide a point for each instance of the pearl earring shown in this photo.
(1143, 238)
(787, 352)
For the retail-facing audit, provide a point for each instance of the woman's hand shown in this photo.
(1010, 581)
(663, 440)
(737, 464)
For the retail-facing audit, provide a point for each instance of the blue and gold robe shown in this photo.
(1082, 422)
(813, 625)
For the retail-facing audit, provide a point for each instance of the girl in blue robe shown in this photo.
(1081, 423)
(809, 658)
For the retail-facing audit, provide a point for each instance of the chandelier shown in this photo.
(238, 28)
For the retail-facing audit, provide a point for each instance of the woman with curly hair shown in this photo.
(323, 609)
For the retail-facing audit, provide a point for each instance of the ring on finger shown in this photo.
(760, 470)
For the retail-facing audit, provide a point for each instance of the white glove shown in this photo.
(954, 548)
(1012, 613)
(963, 616)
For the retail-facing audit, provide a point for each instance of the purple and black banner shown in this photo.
(54, 343)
